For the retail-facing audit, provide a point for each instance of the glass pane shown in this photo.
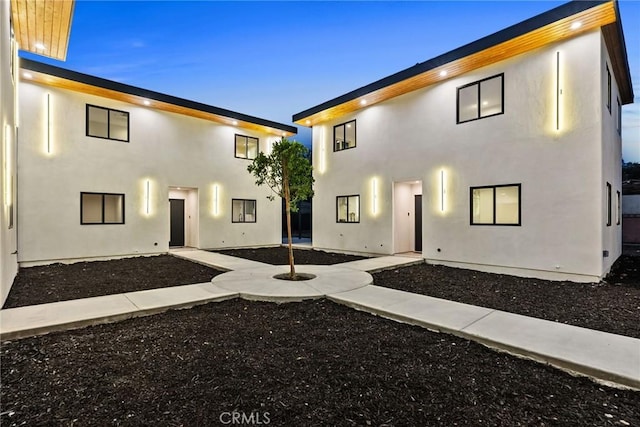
(468, 103)
(507, 205)
(241, 146)
(113, 208)
(97, 125)
(119, 125)
(354, 209)
(482, 206)
(342, 209)
(250, 211)
(350, 138)
(91, 208)
(252, 148)
(339, 137)
(491, 97)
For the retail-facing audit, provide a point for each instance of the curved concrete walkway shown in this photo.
(609, 358)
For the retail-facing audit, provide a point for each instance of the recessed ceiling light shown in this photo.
(443, 73)
(308, 122)
(235, 123)
(284, 134)
(178, 188)
(485, 103)
(27, 75)
(146, 102)
(363, 102)
(40, 46)
(576, 25)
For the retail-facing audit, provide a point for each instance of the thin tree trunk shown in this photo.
(287, 204)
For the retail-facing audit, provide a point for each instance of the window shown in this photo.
(608, 204)
(484, 98)
(107, 123)
(495, 205)
(618, 208)
(348, 209)
(344, 136)
(619, 124)
(246, 147)
(243, 210)
(101, 208)
(608, 89)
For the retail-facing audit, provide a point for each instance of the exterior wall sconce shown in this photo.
(8, 184)
(148, 197)
(442, 190)
(215, 200)
(558, 91)
(374, 199)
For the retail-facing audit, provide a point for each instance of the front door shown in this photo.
(418, 223)
(176, 209)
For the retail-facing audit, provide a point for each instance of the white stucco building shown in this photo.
(110, 170)
(503, 155)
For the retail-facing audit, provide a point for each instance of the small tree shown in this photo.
(288, 172)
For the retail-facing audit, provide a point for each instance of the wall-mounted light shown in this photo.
(147, 197)
(216, 200)
(8, 181)
(442, 189)
(48, 132)
(374, 199)
(558, 91)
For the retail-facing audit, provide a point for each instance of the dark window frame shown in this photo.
(619, 121)
(608, 88)
(246, 146)
(337, 209)
(479, 103)
(618, 208)
(109, 110)
(495, 187)
(609, 201)
(244, 210)
(355, 136)
(82, 193)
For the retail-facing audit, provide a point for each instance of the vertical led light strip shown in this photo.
(374, 185)
(441, 190)
(8, 197)
(147, 198)
(48, 123)
(558, 91)
(215, 200)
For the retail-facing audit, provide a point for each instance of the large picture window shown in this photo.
(101, 208)
(495, 205)
(107, 123)
(243, 210)
(348, 209)
(344, 136)
(246, 147)
(484, 98)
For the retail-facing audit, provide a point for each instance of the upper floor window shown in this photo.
(618, 208)
(608, 204)
(619, 123)
(484, 98)
(243, 210)
(608, 89)
(101, 208)
(495, 205)
(246, 147)
(348, 209)
(344, 136)
(107, 123)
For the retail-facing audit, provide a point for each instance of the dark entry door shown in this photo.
(176, 208)
(418, 220)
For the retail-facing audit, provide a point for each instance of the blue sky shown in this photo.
(274, 59)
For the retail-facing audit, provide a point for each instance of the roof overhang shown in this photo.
(43, 26)
(550, 27)
(49, 75)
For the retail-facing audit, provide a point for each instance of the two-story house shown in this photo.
(503, 155)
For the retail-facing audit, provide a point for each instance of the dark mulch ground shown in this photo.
(61, 282)
(280, 256)
(299, 364)
(612, 306)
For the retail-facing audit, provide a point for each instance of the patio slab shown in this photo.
(216, 260)
(375, 264)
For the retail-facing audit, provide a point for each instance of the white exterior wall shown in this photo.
(415, 136)
(611, 163)
(8, 182)
(169, 150)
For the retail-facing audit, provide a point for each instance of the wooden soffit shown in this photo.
(159, 102)
(590, 19)
(43, 26)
